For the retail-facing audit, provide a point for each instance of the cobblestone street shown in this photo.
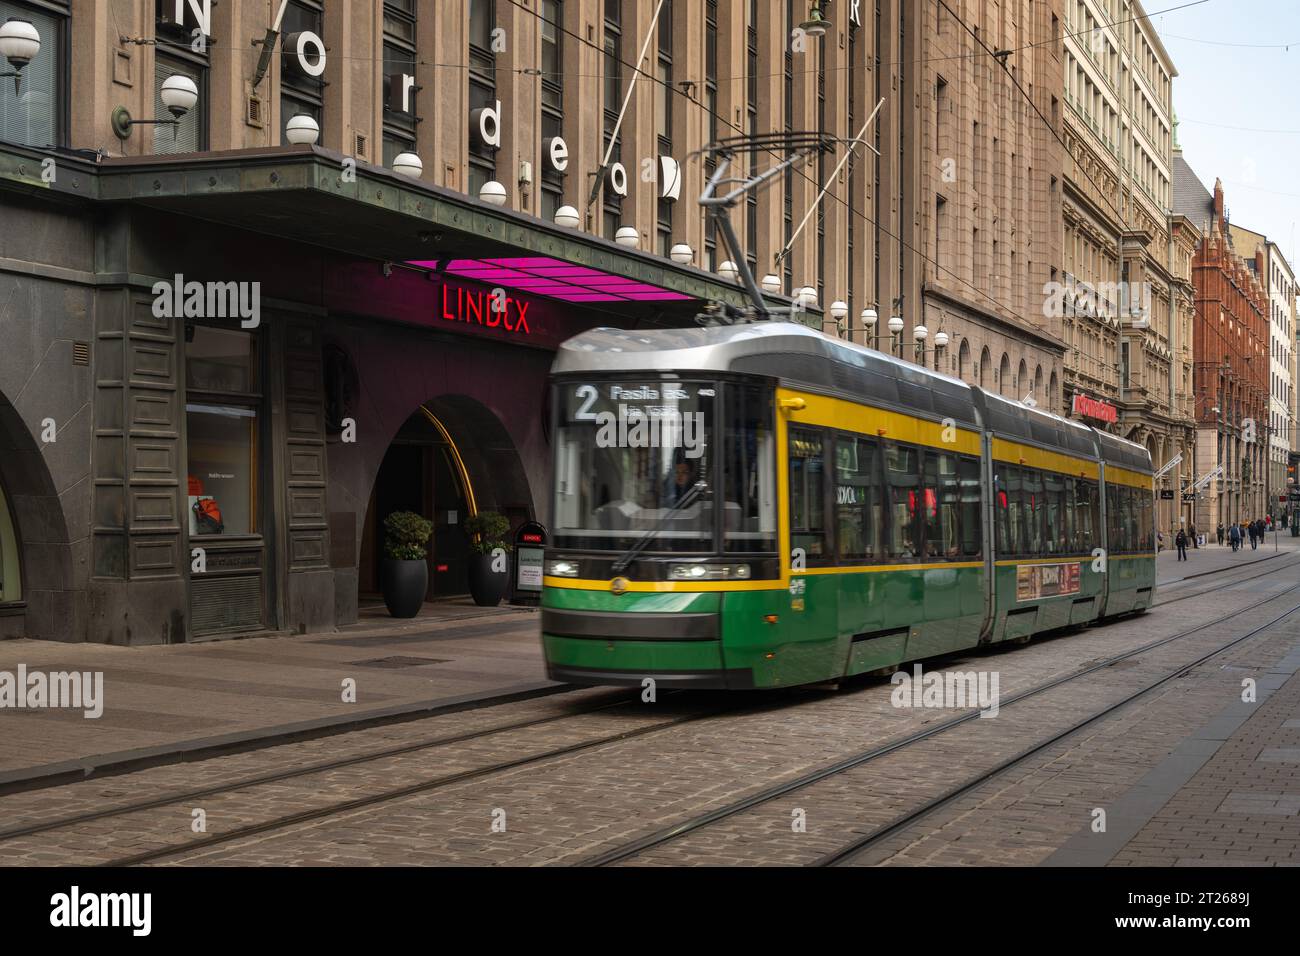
(1184, 772)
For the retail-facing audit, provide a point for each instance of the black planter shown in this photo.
(404, 584)
(486, 586)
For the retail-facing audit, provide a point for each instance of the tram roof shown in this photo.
(798, 354)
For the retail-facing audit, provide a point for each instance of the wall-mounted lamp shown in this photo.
(816, 25)
(493, 193)
(302, 128)
(408, 164)
(567, 217)
(681, 253)
(178, 93)
(19, 44)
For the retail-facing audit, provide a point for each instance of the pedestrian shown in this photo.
(1254, 535)
(1181, 541)
(1160, 541)
(1192, 531)
(1220, 532)
(1234, 537)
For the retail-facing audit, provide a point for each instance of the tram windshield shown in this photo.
(629, 452)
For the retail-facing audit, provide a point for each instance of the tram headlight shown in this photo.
(562, 569)
(709, 572)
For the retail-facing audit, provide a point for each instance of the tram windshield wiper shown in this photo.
(686, 500)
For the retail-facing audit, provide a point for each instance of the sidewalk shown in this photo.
(164, 703)
(161, 702)
(1212, 557)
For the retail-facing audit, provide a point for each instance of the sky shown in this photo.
(1233, 71)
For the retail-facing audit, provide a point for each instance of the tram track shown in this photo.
(426, 785)
(666, 835)
(282, 776)
(849, 851)
(415, 747)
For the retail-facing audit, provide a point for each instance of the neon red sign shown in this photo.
(1095, 408)
(461, 304)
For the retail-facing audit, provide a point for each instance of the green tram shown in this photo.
(761, 505)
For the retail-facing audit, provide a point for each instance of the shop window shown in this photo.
(221, 428)
(807, 495)
(10, 577)
(35, 113)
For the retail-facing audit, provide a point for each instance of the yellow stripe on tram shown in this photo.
(1018, 454)
(826, 412)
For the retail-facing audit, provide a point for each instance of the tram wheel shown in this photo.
(884, 671)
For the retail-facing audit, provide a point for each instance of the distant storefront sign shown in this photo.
(1095, 408)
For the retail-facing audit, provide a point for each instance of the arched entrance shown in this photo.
(450, 459)
(35, 564)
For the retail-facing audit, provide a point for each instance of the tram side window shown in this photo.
(749, 470)
(1085, 516)
(1053, 494)
(1113, 543)
(942, 500)
(903, 476)
(858, 507)
(971, 522)
(1130, 532)
(1033, 511)
(1148, 521)
(1002, 509)
(1016, 510)
(1070, 543)
(807, 497)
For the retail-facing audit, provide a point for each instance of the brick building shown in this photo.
(1232, 366)
(1127, 300)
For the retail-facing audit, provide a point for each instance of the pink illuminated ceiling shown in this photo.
(554, 278)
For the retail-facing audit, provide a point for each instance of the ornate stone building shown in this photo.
(1125, 279)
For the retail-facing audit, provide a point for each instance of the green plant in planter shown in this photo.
(487, 531)
(406, 536)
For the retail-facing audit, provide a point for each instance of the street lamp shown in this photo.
(839, 312)
(178, 93)
(896, 330)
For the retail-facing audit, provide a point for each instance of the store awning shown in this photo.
(318, 197)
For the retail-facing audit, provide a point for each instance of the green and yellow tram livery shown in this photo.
(763, 506)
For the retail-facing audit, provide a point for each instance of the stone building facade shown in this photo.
(1127, 297)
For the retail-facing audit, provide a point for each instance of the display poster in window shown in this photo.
(1035, 581)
